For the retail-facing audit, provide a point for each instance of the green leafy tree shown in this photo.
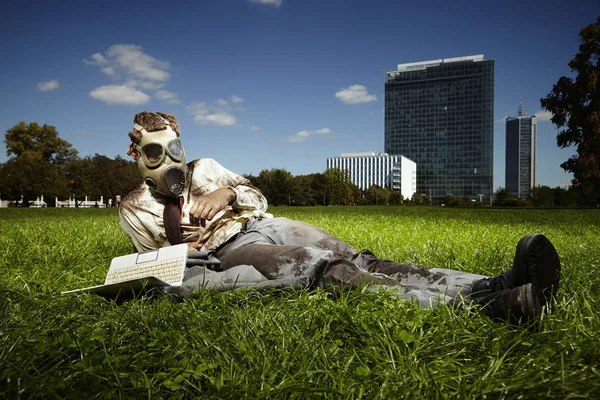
(38, 163)
(501, 197)
(338, 186)
(378, 196)
(542, 196)
(29, 176)
(101, 176)
(565, 198)
(575, 107)
(303, 191)
(41, 141)
(319, 188)
(396, 198)
(417, 199)
(277, 185)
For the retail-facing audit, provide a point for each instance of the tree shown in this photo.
(501, 197)
(303, 191)
(417, 199)
(277, 185)
(396, 198)
(41, 141)
(39, 162)
(101, 176)
(575, 107)
(542, 196)
(30, 176)
(338, 186)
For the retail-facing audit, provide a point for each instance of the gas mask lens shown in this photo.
(175, 149)
(154, 153)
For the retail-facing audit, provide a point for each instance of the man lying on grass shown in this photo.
(211, 208)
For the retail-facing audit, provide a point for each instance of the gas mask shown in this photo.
(161, 160)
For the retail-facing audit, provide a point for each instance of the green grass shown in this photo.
(296, 344)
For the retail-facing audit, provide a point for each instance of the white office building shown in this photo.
(367, 169)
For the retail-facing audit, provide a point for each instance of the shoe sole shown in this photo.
(541, 265)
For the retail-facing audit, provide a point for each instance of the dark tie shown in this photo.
(172, 220)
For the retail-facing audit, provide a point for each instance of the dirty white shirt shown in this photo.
(141, 211)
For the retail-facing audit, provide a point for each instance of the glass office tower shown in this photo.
(440, 114)
(520, 176)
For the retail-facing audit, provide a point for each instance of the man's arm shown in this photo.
(207, 206)
(230, 189)
(138, 216)
(141, 238)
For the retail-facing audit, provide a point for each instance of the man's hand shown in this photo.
(207, 206)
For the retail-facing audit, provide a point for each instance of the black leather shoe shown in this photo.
(517, 305)
(536, 262)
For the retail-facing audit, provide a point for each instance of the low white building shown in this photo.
(367, 169)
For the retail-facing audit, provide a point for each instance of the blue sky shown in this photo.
(260, 84)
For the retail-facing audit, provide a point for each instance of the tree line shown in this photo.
(544, 196)
(44, 164)
(41, 163)
(333, 187)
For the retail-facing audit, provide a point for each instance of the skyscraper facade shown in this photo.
(520, 175)
(440, 114)
(386, 171)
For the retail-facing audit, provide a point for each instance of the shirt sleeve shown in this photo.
(141, 235)
(247, 196)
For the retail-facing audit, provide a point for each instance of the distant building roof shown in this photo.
(363, 154)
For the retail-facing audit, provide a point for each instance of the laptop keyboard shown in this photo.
(166, 270)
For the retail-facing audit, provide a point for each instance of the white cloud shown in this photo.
(275, 3)
(219, 112)
(146, 85)
(219, 119)
(135, 63)
(134, 71)
(168, 97)
(96, 59)
(197, 108)
(110, 71)
(355, 94)
(543, 115)
(211, 115)
(303, 134)
(48, 85)
(255, 128)
(119, 94)
(500, 120)
(232, 99)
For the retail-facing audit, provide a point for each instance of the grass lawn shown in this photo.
(296, 344)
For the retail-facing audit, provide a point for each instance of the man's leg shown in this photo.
(301, 249)
(342, 266)
(429, 286)
(283, 231)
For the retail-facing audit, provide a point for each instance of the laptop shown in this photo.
(141, 272)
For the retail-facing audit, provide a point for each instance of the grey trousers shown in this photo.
(279, 248)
